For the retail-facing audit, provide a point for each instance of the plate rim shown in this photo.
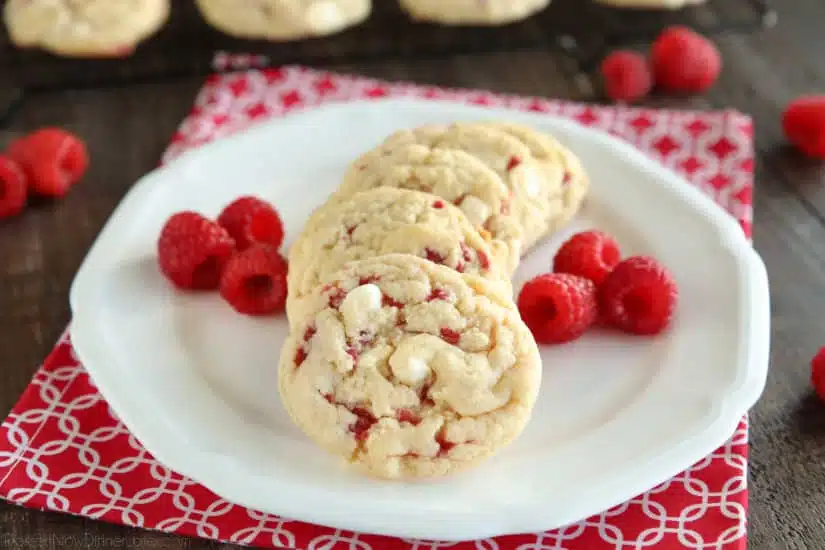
(742, 394)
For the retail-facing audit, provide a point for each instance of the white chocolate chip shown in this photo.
(324, 16)
(411, 361)
(476, 210)
(359, 303)
(530, 179)
(415, 371)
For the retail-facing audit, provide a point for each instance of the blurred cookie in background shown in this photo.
(84, 28)
(472, 12)
(651, 4)
(281, 20)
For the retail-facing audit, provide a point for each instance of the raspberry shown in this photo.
(590, 254)
(818, 373)
(192, 251)
(254, 281)
(250, 220)
(52, 159)
(684, 61)
(639, 296)
(558, 307)
(804, 125)
(12, 188)
(626, 76)
(450, 336)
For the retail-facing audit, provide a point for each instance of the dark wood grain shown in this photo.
(40, 251)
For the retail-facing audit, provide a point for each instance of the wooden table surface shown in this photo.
(40, 252)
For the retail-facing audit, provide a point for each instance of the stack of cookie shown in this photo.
(407, 356)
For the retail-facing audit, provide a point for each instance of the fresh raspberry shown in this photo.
(818, 373)
(626, 76)
(804, 125)
(12, 188)
(684, 61)
(52, 159)
(589, 254)
(558, 307)
(250, 220)
(639, 296)
(254, 281)
(192, 251)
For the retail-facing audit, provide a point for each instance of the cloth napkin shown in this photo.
(62, 448)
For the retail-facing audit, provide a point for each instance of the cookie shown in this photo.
(453, 175)
(531, 183)
(84, 28)
(652, 4)
(472, 12)
(408, 369)
(280, 20)
(388, 220)
(566, 197)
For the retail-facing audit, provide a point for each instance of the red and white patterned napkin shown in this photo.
(62, 448)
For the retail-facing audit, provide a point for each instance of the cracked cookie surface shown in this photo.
(533, 182)
(409, 369)
(84, 28)
(564, 194)
(453, 175)
(283, 19)
(383, 221)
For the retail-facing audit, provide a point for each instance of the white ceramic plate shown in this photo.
(196, 383)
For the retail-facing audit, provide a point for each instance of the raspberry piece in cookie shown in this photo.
(537, 185)
(251, 220)
(589, 254)
(546, 181)
(52, 159)
(450, 174)
(558, 307)
(409, 369)
(568, 183)
(388, 220)
(13, 188)
(639, 296)
(193, 250)
(254, 281)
